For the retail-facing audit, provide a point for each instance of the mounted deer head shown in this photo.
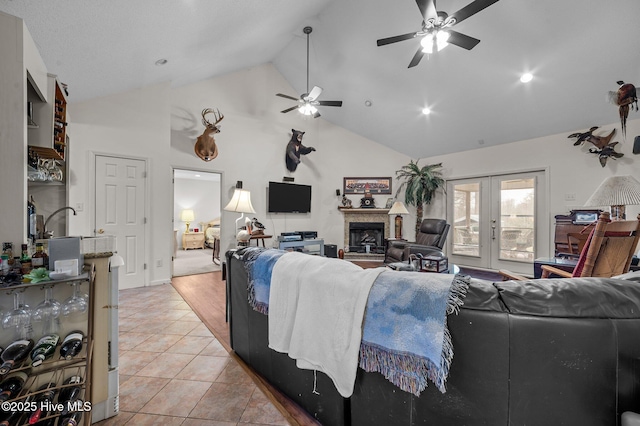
(205, 146)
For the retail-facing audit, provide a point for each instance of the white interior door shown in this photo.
(495, 221)
(120, 211)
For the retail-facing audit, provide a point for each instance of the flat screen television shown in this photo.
(288, 198)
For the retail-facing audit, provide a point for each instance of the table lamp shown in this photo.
(398, 209)
(616, 192)
(240, 203)
(188, 216)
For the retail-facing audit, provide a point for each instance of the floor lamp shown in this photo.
(616, 192)
(240, 203)
(398, 209)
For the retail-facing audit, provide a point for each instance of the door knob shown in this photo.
(100, 231)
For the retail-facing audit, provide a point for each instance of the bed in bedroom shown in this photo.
(212, 238)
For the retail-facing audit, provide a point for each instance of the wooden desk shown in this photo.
(259, 238)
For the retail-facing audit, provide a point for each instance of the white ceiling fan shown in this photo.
(308, 102)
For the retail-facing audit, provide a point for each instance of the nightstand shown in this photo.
(193, 240)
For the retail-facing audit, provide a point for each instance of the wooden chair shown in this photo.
(607, 251)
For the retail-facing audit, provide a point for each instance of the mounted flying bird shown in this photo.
(588, 136)
(624, 97)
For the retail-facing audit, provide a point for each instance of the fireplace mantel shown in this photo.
(364, 215)
(365, 211)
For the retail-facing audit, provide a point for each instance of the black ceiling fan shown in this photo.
(307, 102)
(436, 29)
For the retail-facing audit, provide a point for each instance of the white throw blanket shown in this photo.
(316, 310)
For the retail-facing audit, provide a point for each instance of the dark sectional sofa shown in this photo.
(538, 352)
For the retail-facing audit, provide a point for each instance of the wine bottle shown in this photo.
(12, 385)
(15, 354)
(71, 345)
(10, 418)
(44, 402)
(73, 419)
(69, 394)
(44, 349)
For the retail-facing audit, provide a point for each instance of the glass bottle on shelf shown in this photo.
(71, 345)
(69, 394)
(7, 249)
(44, 402)
(11, 386)
(25, 260)
(40, 258)
(15, 354)
(44, 349)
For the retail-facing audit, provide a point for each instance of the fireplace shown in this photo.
(366, 237)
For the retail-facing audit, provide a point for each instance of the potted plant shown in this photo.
(420, 185)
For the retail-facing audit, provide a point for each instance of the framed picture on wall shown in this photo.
(375, 185)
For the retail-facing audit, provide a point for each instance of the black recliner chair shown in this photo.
(429, 241)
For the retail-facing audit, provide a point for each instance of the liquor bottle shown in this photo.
(40, 259)
(44, 401)
(69, 394)
(15, 354)
(44, 349)
(71, 345)
(25, 260)
(7, 249)
(12, 385)
(73, 419)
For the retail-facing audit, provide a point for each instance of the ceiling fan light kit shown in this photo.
(308, 102)
(436, 32)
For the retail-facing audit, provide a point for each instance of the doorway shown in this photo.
(196, 221)
(498, 222)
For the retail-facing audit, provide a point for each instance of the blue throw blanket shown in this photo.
(405, 334)
(259, 264)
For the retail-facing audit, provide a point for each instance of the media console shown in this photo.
(311, 246)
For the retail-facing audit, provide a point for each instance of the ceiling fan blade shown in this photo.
(290, 109)
(471, 9)
(416, 58)
(314, 93)
(316, 114)
(462, 40)
(427, 8)
(330, 103)
(395, 39)
(287, 96)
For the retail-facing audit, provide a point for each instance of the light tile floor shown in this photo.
(173, 371)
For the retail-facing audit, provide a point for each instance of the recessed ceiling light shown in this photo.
(367, 103)
(197, 175)
(526, 77)
(161, 62)
(426, 111)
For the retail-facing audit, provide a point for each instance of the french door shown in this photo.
(498, 222)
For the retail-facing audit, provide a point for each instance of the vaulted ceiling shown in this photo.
(576, 50)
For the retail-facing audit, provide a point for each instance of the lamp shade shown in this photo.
(616, 191)
(240, 202)
(398, 208)
(187, 215)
